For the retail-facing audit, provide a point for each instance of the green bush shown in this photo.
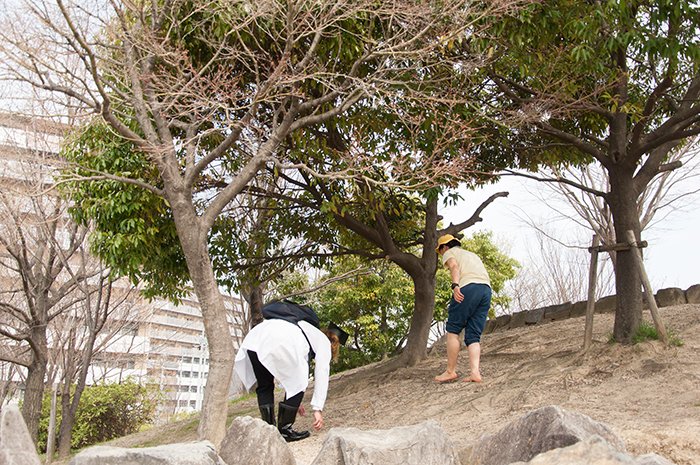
(106, 411)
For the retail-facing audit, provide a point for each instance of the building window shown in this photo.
(186, 359)
(185, 374)
(195, 374)
(193, 388)
(195, 360)
(193, 403)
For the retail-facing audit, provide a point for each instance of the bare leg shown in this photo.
(474, 350)
(452, 352)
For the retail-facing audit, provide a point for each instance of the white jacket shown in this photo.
(283, 350)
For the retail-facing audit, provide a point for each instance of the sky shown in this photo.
(672, 258)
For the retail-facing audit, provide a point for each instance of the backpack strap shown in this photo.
(312, 353)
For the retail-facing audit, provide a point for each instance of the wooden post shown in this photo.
(660, 328)
(590, 304)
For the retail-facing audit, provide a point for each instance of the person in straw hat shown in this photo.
(469, 306)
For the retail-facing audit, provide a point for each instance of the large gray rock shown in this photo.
(538, 431)
(670, 296)
(607, 304)
(251, 441)
(652, 459)
(16, 445)
(592, 451)
(422, 444)
(557, 312)
(692, 294)
(190, 453)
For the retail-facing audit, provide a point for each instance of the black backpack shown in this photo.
(294, 313)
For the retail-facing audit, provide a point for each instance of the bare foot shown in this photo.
(472, 379)
(446, 377)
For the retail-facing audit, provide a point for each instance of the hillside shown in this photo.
(648, 394)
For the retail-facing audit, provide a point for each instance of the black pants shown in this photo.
(266, 384)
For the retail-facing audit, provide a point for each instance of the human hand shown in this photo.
(318, 420)
(301, 411)
(457, 294)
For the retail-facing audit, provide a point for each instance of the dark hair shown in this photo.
(453, 243)
(335, 344)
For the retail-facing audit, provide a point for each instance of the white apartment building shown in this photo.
(155, 342)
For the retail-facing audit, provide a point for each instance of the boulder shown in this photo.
(538, 431)
(190, 453)
(579, 309)
(16, 445)
(501, 322)
(670, 296)
(533, 317)
(422, 444)
(652, 459)
(251, 441)
(592, 451)
(517, 320)
(692, 295)
(557, 312)
(607, 304)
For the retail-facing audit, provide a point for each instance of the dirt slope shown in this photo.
(648, 394)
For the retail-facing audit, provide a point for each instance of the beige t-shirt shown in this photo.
(471, 268)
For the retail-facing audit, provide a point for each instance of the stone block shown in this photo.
(517, 320)
(692, 294)
(593, 450)
(557, 312)
(191, 453)
(534, 316)
(578, 309)
(501, 322)
(670, 296)
(251, 441)
(490, 326)
(607, 304)
(422, 444)
(16, 445)
(536, 432)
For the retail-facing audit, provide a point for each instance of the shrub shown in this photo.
(106, 411)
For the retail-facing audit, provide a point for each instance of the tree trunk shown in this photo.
(212, 425)
(424, 306)
(34, 387)
(70, 405)
(623, 206)
(423, 272)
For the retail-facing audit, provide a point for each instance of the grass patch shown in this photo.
(647, 332)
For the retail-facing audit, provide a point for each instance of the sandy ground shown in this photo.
(648, 394)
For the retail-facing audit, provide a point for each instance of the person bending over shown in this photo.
(469, 306)
(278, 349)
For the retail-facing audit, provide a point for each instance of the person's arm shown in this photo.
(452, 265)
(322, 347)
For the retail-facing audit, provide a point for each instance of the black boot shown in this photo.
(267, 413)
(287, 415)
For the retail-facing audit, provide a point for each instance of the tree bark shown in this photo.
(212, 425)
(423, 272)
(34, 387)
(623, 207)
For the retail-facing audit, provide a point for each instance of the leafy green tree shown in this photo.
(106, 411)
(208, 90)
(608, 82)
